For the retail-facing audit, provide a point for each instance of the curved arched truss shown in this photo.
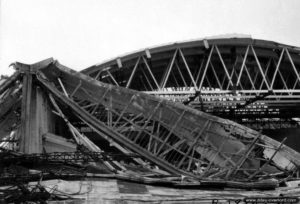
(242, 79)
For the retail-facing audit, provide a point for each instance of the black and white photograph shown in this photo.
(154, 101)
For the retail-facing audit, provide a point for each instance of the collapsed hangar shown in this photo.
(253, 82)
(108, 123)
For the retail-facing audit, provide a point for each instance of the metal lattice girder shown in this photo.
(177, 138)
(10, 91)
(70, 157)
(228, 72)
(9, 82)
(10, 99)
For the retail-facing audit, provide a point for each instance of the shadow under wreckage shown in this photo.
(62, 131)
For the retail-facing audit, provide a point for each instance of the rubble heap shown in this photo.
(57, 123)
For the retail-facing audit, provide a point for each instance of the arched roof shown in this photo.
(229, 72)
(221, 40)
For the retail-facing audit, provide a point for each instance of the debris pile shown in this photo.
(57, 123)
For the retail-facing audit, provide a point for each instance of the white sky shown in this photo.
(80, 33)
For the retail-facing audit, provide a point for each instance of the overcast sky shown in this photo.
(80, 33)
